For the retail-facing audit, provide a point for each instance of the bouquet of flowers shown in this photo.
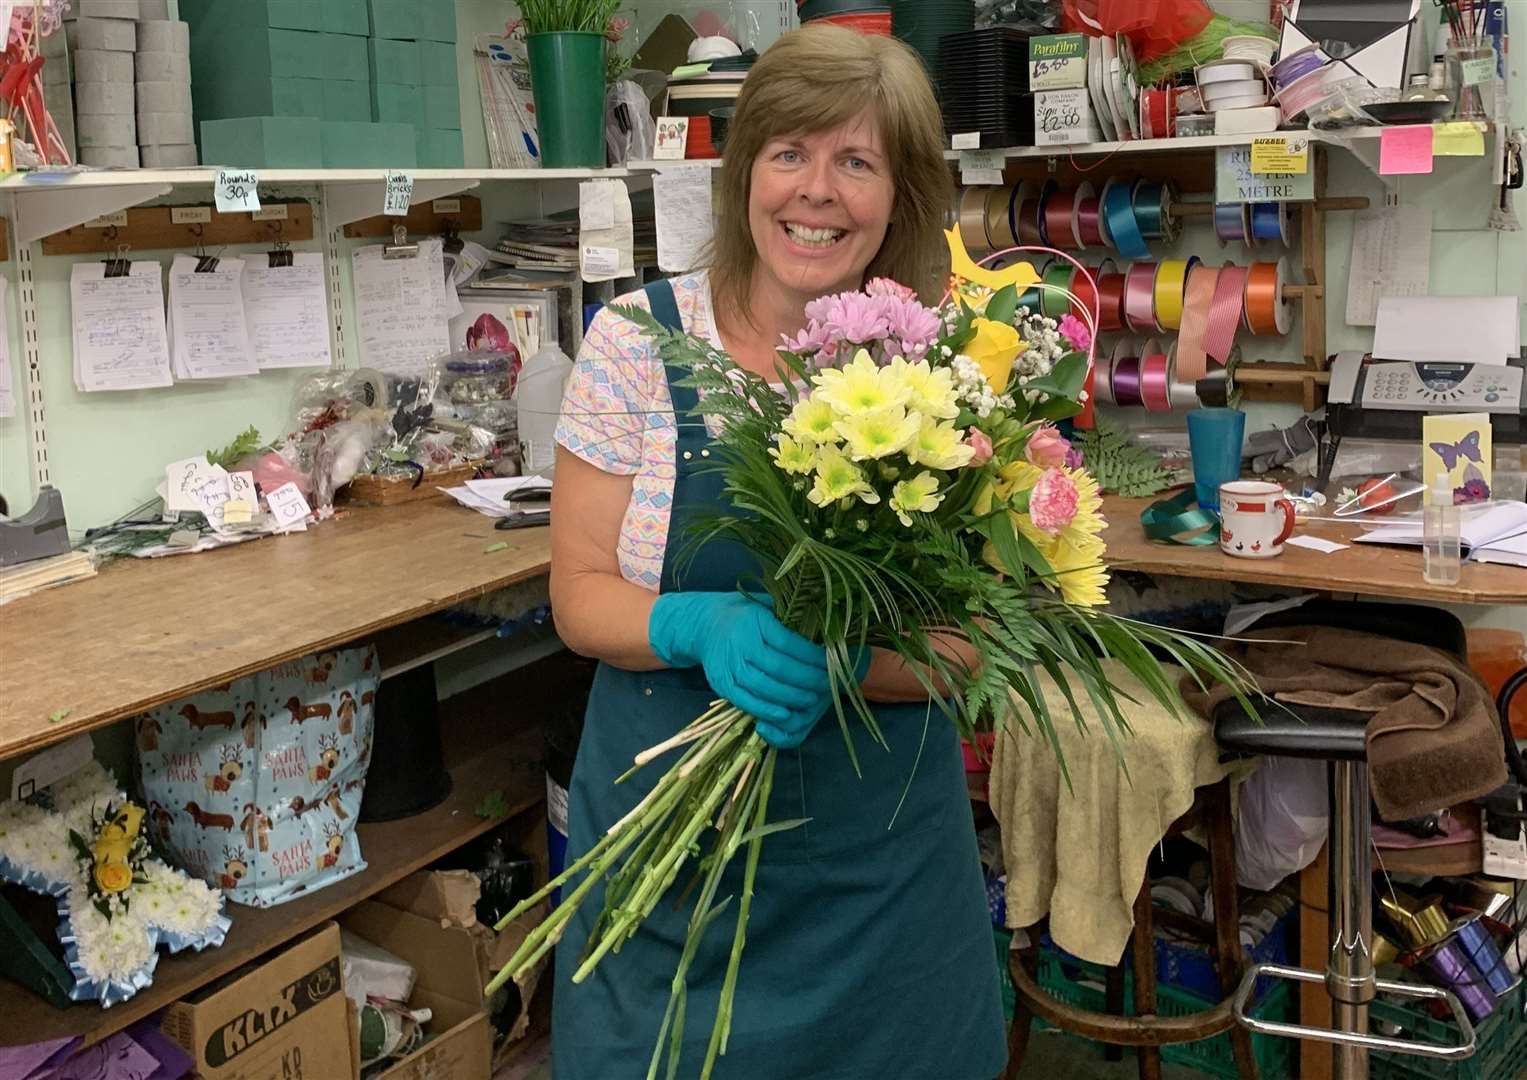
(81, 844)
(906, 487)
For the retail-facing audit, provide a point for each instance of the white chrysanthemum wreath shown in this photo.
(116, 903)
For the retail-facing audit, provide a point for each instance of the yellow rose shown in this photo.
(994, 348)
(113, 877)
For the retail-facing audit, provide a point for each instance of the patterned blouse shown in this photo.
(617, 416)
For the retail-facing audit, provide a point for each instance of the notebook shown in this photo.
(1493, 532)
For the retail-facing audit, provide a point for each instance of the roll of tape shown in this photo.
(1221, 71)
(1140, 297)
(1266, 313)
(1171, 285)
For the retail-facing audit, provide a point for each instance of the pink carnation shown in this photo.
(1052, 502)
(980, 442)
(1047, 448)
(881, 286)
(1075, 331)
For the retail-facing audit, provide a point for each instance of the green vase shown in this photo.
(567, 78)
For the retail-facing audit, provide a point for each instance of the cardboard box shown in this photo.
(1058, 62)
(1064, 117)
(460, 1043)
(272, 1021)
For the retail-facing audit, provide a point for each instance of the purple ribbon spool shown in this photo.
(1485, 954)
(1451, 966)
(1296, 65)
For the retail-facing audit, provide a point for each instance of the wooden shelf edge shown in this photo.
(438, 831)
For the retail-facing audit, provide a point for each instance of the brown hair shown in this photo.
(814, 79)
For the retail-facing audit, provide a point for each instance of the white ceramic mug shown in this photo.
(1255, 518)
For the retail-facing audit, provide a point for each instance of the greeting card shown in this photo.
(1458, 446)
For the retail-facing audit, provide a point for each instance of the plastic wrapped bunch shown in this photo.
(1039, 16)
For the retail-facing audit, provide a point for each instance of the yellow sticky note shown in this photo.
(237, 512)
(1461, 138)
(1282, 155)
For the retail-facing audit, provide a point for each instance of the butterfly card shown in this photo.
(1458, 446)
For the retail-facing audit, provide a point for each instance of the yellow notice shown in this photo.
(237, 512)
(1283, 155)
(1461, 138)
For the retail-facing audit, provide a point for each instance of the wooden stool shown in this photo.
(1146, 1030)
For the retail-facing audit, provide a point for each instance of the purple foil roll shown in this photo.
(1452, 968)
(1485, 954)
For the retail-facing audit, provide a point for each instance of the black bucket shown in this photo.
(407, 774)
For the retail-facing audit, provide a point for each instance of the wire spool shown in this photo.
(1296, 65)
(1170, 287)
(1266, 313)
(1258, 50)
(1140, 297)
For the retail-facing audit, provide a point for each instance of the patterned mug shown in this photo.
(1255, 519)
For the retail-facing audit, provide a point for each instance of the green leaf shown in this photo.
(245, 443)
(1032, 557)
(1003, 305)
(1009, 544)
(1065, 380)
(58, 714)
(491, 548)
(492, 805)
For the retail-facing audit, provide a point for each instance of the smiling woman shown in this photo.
(869, 948)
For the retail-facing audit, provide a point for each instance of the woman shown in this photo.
(869, 949)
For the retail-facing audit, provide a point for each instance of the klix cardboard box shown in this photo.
(281, 1019)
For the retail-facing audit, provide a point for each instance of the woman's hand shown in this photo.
(893, 681)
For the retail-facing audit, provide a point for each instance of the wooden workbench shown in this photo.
(148, 631)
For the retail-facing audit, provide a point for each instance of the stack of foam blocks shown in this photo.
(132, 84)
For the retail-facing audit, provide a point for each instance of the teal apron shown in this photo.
(869, 948)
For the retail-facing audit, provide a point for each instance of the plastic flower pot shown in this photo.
(567, 78)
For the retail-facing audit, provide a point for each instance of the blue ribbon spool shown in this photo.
(1119, 215)
(1267, 222)
(1150, 214)
(1230, 222)
(1481, 947)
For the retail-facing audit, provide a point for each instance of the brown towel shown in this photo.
(1433, 736)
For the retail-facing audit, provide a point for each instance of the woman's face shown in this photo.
(819, 207)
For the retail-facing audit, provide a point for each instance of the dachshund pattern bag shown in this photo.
(255, 786)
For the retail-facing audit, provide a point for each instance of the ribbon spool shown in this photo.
(1172, 521)
(1102, 384)
(1089, 217)
(1225, 311)
(1059, 215)
(1198, 300)
(1140, 297)
(1296, 65)
(1157, 108)
(1266, 313)
(1126, 380)
(1119, 219)
(1084, 288)
(1053, 299)
(998, 233)
(1171, 284)
(1017, 195)
(1218, 389)
(1269, 223)
(1232, 223)
(1110, 297)
(1155, 378)
(1155, 210)
(1183, 393)
(972, 218)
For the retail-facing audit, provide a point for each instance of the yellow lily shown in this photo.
(1020, 275)
(994, 348)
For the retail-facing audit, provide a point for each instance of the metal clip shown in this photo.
(118, 266)
(280, 256)
(400, 248)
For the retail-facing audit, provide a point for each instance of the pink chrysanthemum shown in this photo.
(1053, 501)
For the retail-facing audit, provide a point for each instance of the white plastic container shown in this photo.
(538, 403)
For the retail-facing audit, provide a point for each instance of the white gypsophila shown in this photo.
(971, 386)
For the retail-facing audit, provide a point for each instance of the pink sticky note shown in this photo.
(1405, 151)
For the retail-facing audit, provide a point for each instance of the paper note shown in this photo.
(236, 191)
(191, 483)
(1391, 256)
(119, 334)
(1428, 328)
(596, 204)
(241, 486)
(1461, 138)
(681, 203)
(7, 376)
(397, 310)
(286, 310)
(447, 303)
(289, 509)
(671, 138)
(1477, 69)
(209, 338)
(611, 247)
(1458, 447)
(397, 194)
(1234, 180)
(965, 140)
(1315, 543)
(1281, 154)
(1405, 151)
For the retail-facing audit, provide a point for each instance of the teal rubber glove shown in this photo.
(749, 657)
(789, 735)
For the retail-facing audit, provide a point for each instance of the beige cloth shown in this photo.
(1080, 855)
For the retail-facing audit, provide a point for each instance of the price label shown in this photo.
(445, 206)
(399, 194)
(1235, 181)
(236, 191)
(1478, 69)
(980, 167)
(965, 140)
(1281, 155)
(288, 507)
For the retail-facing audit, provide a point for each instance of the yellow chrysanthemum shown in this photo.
(932, 389)
(794, 457)
(937, 445)
(918, 495)
(1080, 575)
(839, 478)
(812, 421)
(871, 436)
(1083, 529)
(861, 387)
(994, 348)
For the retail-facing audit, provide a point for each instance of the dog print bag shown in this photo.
(255, 786)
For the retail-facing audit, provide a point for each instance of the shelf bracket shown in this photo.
(42, 211)
(351, 202)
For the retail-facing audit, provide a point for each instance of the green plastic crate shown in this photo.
(1082, 984)
(1501, 1052)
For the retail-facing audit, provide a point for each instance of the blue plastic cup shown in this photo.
(1215, 437)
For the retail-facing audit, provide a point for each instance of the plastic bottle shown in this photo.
(1437, 77)
(538, 402)
(1441, 528)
